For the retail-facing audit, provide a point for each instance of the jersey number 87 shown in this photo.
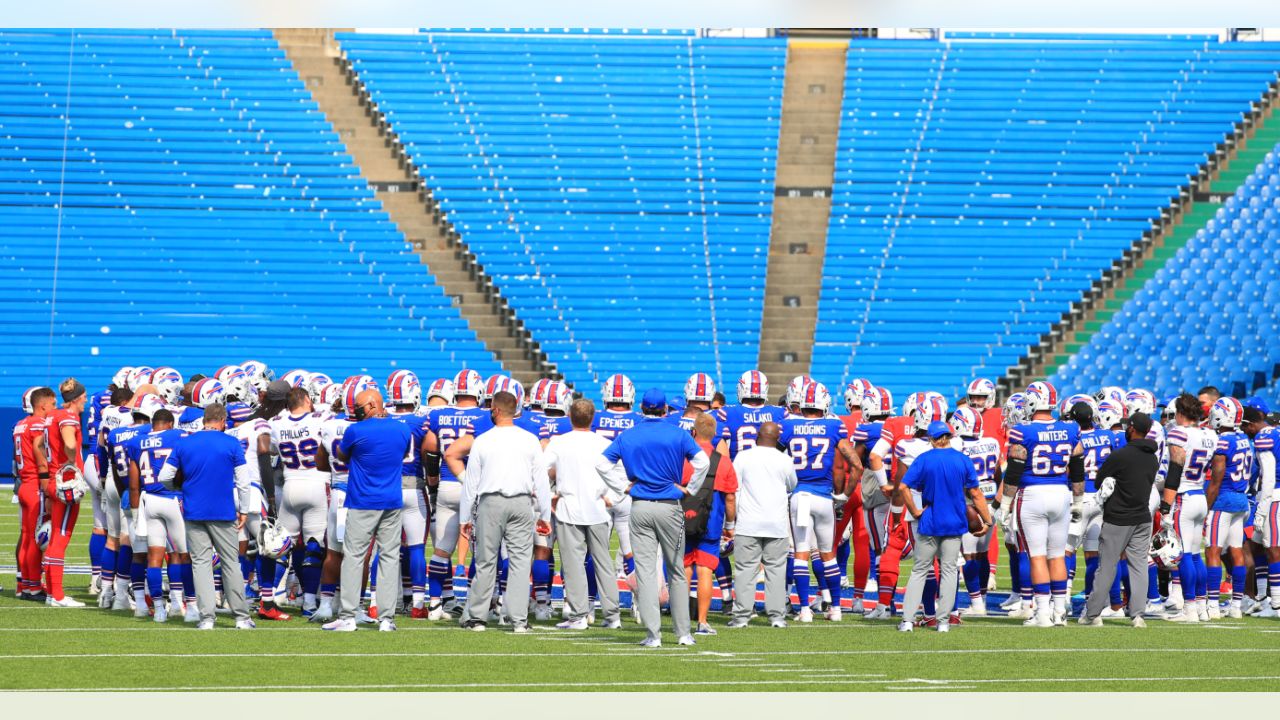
(800, 452)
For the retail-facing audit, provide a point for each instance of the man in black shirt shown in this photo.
(1124, 489)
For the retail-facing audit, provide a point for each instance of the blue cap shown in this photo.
(937, 429)
(1258, 404)
(654, 399)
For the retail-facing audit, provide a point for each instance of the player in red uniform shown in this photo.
(982, 397)
(64, 449)
(31, 468)
(852, 521)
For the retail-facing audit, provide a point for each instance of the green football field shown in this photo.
(91, 649)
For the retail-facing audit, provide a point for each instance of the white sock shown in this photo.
(1042, 604)
(1060, 604)
(122, 587)
(140, 598)
(309, 600)
(418, 597)
(175, 598)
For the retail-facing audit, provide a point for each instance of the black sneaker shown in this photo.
(39, 597)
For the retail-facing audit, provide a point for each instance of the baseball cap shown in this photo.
(1140, 422)
(654, 399)
(278, 391)
(938, 429)
(1258, 403)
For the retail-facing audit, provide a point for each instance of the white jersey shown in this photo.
(1157, 435)
(113, 416)
(248, 433)
(907, 451)
(985, 454)
(295, 439)
(330, 435)
(1199, 444)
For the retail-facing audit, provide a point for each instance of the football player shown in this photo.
(555, 412)
(65, 449)
(1266, 521)
(31, 470)
(813, 440)
(445, 427)
(132, 564)
(254, 434)
(115, 563)
(1021, 601)
(98, 403)
(1231, 470)
(555, 421)
(1046, 471)
(303, 511)
(932, 408)
(698, 391)
(405, 394)
(984, 451)
(1191, 449)
(161, 509)
(618, 395)
(327, 460)
(876, 408)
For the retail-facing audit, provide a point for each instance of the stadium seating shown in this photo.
(1210, 316)
(982, 185)
(618, 193)
(177, 198)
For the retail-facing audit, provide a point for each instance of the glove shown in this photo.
(840, 499)
(1104, 491)
(1075, 533)
(1077, 509)
(1009, 524)
(1166, 521)
(1260, 515)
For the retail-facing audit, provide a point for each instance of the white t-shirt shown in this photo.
(766, 478)
(506, 460)
(578, 486)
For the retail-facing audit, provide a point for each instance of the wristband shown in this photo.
(44, 474)
(730, 525)
(1165, 507)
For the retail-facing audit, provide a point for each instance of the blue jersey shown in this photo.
(150, 452)
(418, 426)
(743, 422)
(1097, 445)
(686, 424)
(237, 413)
(612, 423)
(98, 402)
(449, 424)
(530, 422)
(553, 426)
(1049, 444)
(1235, 449)
(867, 434)
(114, 450)
(812, 444)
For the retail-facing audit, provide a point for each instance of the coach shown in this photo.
(943, 476)
(766, 479)
(374, 448)
(209, 467)
(1124, 489)
(653, 453)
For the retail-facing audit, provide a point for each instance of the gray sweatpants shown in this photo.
(575, 542)
(749, 553)
(205, 537)
(947, 552)
(501, 521)
(659, 526)
(362, 528)
(1134, 541)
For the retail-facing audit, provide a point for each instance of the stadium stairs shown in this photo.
(802, 204)
(1226, 170)
(315, 56)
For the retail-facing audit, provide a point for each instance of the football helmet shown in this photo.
(236, 384)
(69, 484)
(260, 376)
(316, 383)
(796, 388)
(912, 403)
(932, 409)
(1140, 401)
(147, 405)
(1014, 410)
(1107, 415)
(207, 392)
(502, 383)
(1065, 409)
(1166, 548)
(273, 540)
(468, 383)
(403, 388)
(441, 388)
(966, 422)
(815, 397)
(1226, 414)
(1170, 405)
(1110, 392)
(296, 378)
(168, 383)
(876, 402)
(537, 396)
(559, 397)
(121, 378)
(753, 385)
(981, 388)
(699, 388)
(44, 534)
(140, 376)
(351, 389)
(854, 392)
(330, 394)
(1042, 396)
(27, 406)
(617, 389)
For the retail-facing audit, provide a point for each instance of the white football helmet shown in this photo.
(403, 388)
(260, 376)
(296, 378)
(273, 540)
(207, 392)
(931, 395)
(537, 396)
(1226, 414)
(147, 405)
(1042, 396)
(912, 403)
(699, 388)
(932, 409)
(617, 389)
(140, 376)
(1166, 548)
(121, 378)
(1107, 415)
(351, 389)
(854, 392)
(796, 388)
(316, 383)
(235, 382)
(966, 422)
(27, 405)
(559, 397)
(502, 383)
(330, 394)
(70, 484)
(1111, 392)
(753, 385)
(44, 534)
(1170, 409)
(1014, 411)
(443, 389)
(815, 397)
(876, 402)
(1065, 409)
(981, 388)
(468, 383)
(168, 383)
(1140, 401)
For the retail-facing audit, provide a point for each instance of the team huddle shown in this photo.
(1037, 459)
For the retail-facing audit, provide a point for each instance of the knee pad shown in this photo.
(313, 553)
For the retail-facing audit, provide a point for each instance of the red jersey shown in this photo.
(896, 429)
(59, 419)
(993, 426)
(726, 479)
(25, 432)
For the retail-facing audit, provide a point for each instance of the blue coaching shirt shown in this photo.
(942, 476)
(378, 449)
(208, 460)
(653, 453)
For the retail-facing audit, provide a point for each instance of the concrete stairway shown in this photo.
(797, 245)
(315, 56)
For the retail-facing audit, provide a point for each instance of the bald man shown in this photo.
(374, 449)
(766, 478)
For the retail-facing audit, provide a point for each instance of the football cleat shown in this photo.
(340, 625)
(977, 608)
(1087, 621)
(386, 625)
(579, 624)
(205, 625)
(704, 629)
(273, 613)
(651, 643)
(66, 602)
(833, 613)
(736, 623)
(686, 640)
(192, 613)
(1138, 622)
(805, 615)
(1039, 619)
(246, 624)
(1011, 602)
(880, 612)
(162, 612)
(419, 613)
(906, 626)
(782, 624)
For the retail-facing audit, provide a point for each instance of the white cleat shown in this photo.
(1022, 612)
(880, 612)
(1213, 611)
(1087, 621)
(1059, 618)
(1039, 619)
(1110, 612)
(542, 612)
(978, 608)
(437, 612)
(1234, 613)
(1011, 602)
(1185, 616)
(66, 602)
(205, 625)
(906, 626)
(161, 613)
(1155, 608)
(805, 615)
(858, 608)
(944, 626)
(192, 614)
(364, 618)
(323, 614)
(651, 643)
(613, 624)
(95, 585)
(1138, 622)
(1202, 613)
(106, 598)
(780, 624)
(578, 624)
(386, 625)
(246, 624)
(121, 602)
(340, 625)
(833, 614)
(1268, 611)
(686, 640)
